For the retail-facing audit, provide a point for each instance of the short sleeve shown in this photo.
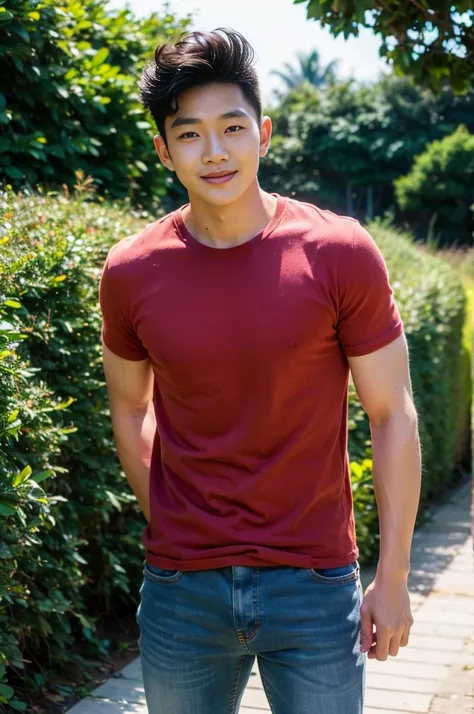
(117, 332)
(369, 318)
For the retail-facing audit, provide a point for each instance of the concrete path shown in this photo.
(433, 675)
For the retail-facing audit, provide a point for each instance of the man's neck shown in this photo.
(231, 225)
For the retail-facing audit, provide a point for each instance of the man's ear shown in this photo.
(265, 135)
(162, 151)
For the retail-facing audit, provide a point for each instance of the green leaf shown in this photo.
(42, 475)
(19, 30)
(69, 430)
(114, 500)
(12, 303)
(14, 173)
(100, 56)
(34, 15)
(3, 102)
(13, 426)
(13, 416)
(6, 511)
(64, 405)
(5, 15)
(18, 706)
(21, 477)
(6, 691)
(18, 63)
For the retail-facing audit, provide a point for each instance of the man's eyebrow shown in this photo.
(233, 114)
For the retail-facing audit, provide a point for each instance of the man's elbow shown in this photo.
(126, 408)
(404, 414)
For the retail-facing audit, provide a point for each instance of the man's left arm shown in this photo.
(382, 381)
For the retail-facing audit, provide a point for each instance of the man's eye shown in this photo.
(233, 128)
(188, 135)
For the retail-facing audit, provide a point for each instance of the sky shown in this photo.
(277, 30)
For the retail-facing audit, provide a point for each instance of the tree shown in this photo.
(309, 70)
(431, 41)
(344, 147)
(438, 191)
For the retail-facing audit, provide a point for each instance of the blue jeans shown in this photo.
(201, 631)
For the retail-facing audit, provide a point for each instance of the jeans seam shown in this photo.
(240, 634)
(267, 690)
(233, 702)
(242, 637)
(256, 601)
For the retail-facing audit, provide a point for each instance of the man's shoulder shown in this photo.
(134, 249)
(322, 224)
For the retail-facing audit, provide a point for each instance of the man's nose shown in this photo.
(214, 151)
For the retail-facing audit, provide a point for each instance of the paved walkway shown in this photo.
(433, 675)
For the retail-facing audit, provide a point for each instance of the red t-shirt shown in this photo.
(248, 347)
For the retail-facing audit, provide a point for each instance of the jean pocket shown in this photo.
(159, 575)
(335, 576)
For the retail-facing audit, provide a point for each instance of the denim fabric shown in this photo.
(201, 631)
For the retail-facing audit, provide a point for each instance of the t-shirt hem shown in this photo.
(295, 560)
(377, 344)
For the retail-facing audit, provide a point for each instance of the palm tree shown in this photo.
(309, 70)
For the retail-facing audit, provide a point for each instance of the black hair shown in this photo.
(198, 58)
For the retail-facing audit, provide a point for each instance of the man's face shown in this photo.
(214, 143)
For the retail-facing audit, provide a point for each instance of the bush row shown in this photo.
(70, 529)
(71, 543)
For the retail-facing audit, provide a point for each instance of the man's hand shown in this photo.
(386, 607)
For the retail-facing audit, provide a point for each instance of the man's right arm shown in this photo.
(130, 390)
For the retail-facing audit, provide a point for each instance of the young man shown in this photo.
(229, 328)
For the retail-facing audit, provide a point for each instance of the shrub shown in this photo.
(437, 194)
(433, 305)
(69, 552)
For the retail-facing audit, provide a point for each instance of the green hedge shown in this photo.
(433, 305)
(72, 549)
(70, 529)
(69, 96)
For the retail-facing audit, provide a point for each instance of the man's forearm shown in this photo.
(397, 482)
(134, 437)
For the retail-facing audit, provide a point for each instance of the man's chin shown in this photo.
(216, 198)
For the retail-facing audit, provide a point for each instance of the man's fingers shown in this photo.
(367, 629)
(394, 645)
(383, 644)
(389, 643)
(405, 636)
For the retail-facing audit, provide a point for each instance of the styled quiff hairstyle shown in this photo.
(198, 58)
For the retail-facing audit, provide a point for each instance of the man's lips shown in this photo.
(218, 177)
